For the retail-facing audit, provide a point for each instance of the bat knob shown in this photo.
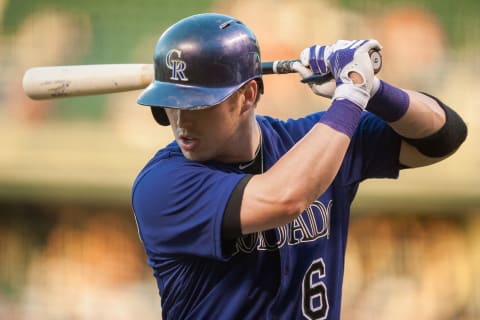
(376, 59)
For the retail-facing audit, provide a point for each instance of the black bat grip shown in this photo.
(285, 66)
(278, 67)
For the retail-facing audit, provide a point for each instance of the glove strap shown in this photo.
(352, 92)
(389, 103)
(343, 116)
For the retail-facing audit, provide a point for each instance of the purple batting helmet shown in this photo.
(199, 62)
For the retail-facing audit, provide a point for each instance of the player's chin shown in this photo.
(195, 155)
(196, 149)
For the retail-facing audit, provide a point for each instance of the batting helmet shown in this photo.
(199, 62)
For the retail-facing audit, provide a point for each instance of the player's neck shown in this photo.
(244, 145)
(254, 166)
(253, 141)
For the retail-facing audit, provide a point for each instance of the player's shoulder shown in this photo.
(170, 167)
(170, 154)
(164, 162)
(308, 121)
(293, 127)
(273, 121)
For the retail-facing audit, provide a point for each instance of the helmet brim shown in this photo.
(180, 96)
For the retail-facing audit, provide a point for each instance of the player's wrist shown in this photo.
(355, 93)
(389, 103)
(342, 116)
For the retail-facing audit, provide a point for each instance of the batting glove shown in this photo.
(353, 56)
(324, 89)
(315, 70)
(316, 57)
(342, 44)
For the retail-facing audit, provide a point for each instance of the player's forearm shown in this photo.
(307, 170)
(409, 113)
(423, 117)
(295, 181)
(430, 130)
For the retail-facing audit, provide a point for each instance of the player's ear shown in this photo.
(250, 91)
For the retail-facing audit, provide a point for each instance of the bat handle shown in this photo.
(278, 66)
(285, 66)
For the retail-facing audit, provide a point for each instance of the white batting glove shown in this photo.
(342, 44)
(316, 57)
(375, 86)
(325, 89)
(315, 65)
(353, 56)
(314, 62)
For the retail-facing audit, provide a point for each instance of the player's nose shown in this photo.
(184, 117)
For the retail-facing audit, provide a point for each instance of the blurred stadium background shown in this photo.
(68, 242)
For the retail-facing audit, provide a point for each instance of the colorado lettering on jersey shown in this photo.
(312, 224)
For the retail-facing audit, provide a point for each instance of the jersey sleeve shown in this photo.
(373, 152)
(179, 207)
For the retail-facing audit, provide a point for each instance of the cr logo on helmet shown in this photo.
(173, 62)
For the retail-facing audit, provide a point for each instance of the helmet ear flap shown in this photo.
(160, 116)
(260, 85)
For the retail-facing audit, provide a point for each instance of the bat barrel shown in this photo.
(64, 81)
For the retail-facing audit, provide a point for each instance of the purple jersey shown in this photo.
(291, 272)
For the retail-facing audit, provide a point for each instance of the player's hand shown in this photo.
(314, 64)
(352, 57)
(342, 44)
(316, 57)
(325, 89)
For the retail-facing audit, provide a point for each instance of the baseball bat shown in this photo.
(80, 80)
(84, 80)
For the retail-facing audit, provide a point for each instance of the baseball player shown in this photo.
(245, 216)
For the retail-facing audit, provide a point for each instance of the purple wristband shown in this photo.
(389, 103)
(342, 116)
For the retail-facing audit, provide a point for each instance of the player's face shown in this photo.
(217, 133)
